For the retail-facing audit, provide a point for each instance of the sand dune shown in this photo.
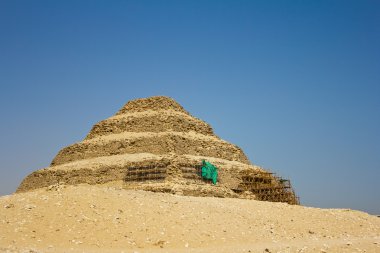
(108, 218)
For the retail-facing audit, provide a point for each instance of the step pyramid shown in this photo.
(155, 144)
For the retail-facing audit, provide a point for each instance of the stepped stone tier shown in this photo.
(155, 144)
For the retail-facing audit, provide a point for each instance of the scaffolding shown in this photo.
(194, 173)
(267, 186)
(146, 173)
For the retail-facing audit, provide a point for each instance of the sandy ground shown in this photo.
(86, 218)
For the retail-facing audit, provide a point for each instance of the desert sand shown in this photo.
(109, 218)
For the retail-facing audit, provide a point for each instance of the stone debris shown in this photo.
(7, 206)
(29, 207)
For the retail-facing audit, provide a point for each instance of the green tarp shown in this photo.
(209, 171)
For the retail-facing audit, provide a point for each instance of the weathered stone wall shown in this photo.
(160, 144)
(100, 175)
(159, 122)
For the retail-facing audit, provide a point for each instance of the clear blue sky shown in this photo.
(296, 84)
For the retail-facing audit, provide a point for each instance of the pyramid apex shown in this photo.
(154, 103)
